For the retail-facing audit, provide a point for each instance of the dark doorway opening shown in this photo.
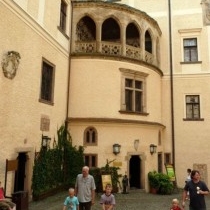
(134, 172)
(20, 173)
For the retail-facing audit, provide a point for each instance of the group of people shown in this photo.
(83, 196)
(194, 192)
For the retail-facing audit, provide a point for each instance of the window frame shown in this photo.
(167, 158)
(134, 76)
(63, 16)
(90, 136)
(190, 34)
(42, 99)
(65, 30)
(90, 156)
(193, 105)
(190, 49)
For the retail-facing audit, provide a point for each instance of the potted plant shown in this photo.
(154, 182)
(166, 186)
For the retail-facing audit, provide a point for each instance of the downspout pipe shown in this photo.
(171, 84)
(69, 69)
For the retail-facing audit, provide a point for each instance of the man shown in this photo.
(85, 189)
(197, 189)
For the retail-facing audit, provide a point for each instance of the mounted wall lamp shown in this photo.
(152, 149)
(116, 148)
(45, 141)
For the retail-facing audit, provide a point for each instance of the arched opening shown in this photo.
(148, 42)
(110, 30)
(132, 35)
(86, 29)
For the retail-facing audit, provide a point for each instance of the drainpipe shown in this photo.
(171, 84)
(69, 70)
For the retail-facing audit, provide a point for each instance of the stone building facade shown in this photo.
(131, 74)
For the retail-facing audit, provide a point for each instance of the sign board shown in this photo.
(106, 179)
(117, 164)
(11, 165)
(170, 171)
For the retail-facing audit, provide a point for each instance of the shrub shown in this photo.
(161, 182)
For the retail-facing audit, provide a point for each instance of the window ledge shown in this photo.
(191, 62)
(192, 119)
(90, 144)
(133, 113)
(46, 102)
(63, 32)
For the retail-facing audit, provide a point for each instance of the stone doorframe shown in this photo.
(142, 157)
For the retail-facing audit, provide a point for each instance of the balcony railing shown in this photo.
(111, 48)
(85, 47)
(133, 52)
(116, 49)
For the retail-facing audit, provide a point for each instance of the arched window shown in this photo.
(148, 42)
(90, 136)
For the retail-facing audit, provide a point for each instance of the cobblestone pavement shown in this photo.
(135, 200)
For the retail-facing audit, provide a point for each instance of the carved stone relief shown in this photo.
(202, 168)
(206, 11)
(10, 63)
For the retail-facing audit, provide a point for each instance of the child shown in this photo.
(71, 202)
(107, 199)
(175, 205)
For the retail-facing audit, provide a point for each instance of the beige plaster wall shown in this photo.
(124, 134)
(20, 109)
(91, 78)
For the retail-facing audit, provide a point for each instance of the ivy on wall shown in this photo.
(57, 167)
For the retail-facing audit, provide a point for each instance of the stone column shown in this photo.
(123, 40)
(98, 36)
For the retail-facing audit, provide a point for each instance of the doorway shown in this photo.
(20, 174)
(135, 172)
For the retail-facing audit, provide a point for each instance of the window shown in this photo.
(90, 160)
(190, 46)
(190, 50)
(160, 163)
(159, 138)
(192, 107)
(47, 82)
(167, 158)
(90, 136)
(133, 91)
(63, 10)
(133, 95)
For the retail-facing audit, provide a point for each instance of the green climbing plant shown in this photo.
(57, 167)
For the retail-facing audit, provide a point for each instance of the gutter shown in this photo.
(171, 85)
(69, 70)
